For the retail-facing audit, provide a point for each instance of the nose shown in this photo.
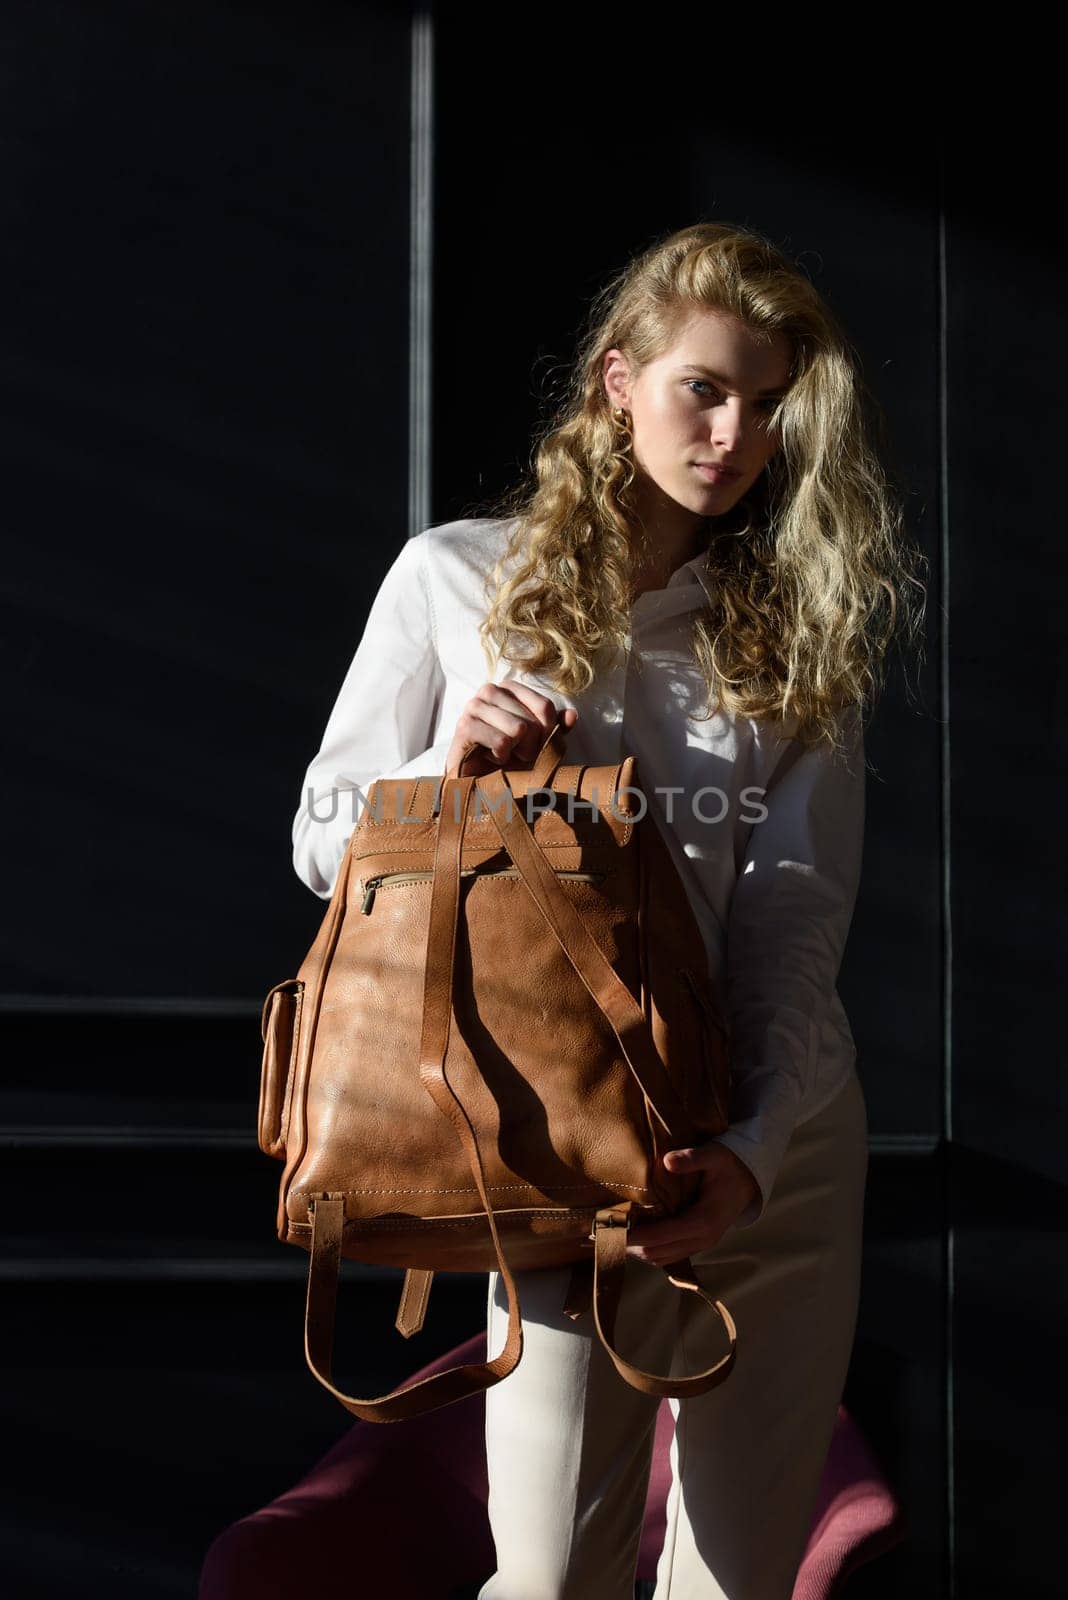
(728, 426)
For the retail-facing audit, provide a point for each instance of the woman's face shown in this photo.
(684, 418)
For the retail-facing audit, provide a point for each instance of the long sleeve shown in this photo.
(382, 721)
(789, 919)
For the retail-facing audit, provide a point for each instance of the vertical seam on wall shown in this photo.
(420, 267)
(947, 877)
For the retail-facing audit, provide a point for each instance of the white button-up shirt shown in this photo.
(767, 834)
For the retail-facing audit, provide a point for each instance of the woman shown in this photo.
(706, 571)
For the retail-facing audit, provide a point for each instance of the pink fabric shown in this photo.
(403, 1505)
(857, 1515)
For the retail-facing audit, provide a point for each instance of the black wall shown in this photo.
(205, 402)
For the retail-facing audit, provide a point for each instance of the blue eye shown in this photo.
(769, 402)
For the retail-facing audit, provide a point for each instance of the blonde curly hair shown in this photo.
(812, 575)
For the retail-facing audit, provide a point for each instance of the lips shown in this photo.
(728, 472)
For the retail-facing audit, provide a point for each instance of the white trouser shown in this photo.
(569, 1442)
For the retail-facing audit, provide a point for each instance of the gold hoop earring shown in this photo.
(622, 419)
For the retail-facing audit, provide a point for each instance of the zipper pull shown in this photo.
(369, 896)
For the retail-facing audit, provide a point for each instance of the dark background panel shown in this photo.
(1010, 1309)
(1006, 416)
(193, 1408)
(1006, 422)
(896, 1388)
(204, 262)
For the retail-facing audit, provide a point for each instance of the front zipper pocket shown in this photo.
(280, 1031)
(391, 879)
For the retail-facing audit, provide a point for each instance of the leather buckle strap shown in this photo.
(617, 1216)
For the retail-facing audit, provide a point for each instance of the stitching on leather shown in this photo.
(552, 844)
(417, 849)
(385, 1225)
(494, 1188)
(286, 1108)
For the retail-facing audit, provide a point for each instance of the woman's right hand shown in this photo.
(507, 719)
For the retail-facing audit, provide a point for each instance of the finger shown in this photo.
(540, 706)
(677, 1243)
(497, 728)
(715, 1160)
(695, 1220)
(509, 718)
(663, 1258)
(681, 1160)
(676, 1249)
(543, 709)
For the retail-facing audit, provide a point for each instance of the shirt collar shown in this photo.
(694, 573)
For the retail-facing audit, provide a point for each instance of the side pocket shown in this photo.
(280, 1030)
(713, 1116)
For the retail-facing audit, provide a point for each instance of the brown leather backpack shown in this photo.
(505, 1020)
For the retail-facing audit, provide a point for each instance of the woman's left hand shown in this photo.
(727, 1188)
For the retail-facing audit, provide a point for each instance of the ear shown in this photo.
(616, 378)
